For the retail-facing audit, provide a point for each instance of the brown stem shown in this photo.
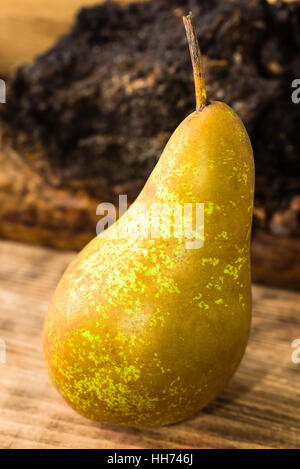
(196, 58)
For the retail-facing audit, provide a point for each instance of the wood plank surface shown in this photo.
(258, 409)
(30, 27)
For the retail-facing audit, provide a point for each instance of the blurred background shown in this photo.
(95, 89)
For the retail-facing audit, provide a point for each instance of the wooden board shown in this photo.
(258, 409)
(29, 27)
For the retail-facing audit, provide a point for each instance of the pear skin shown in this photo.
(143, 331)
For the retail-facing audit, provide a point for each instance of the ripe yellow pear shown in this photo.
(147, 330)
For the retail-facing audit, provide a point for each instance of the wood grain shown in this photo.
(258, 409)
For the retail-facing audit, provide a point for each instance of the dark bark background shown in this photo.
(89, 118)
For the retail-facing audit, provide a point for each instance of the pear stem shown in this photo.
(196, 58)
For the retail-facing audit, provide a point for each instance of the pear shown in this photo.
(147, 329)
